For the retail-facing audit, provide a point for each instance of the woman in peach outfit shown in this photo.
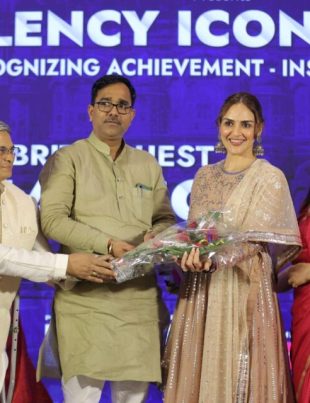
(226, 343)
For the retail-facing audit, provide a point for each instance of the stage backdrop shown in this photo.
(184, 58)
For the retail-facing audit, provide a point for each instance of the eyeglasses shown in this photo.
(107, 106)
(4, 150)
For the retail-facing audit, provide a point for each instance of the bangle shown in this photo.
(110, 247)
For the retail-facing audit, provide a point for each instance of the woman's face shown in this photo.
(237, 130)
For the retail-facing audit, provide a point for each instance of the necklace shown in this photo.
(235, 172)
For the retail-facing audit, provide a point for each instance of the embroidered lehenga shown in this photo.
(226, 343)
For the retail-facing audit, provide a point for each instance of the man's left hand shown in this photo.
(149, 235)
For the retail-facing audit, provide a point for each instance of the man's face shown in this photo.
(110, 127)
(6, 155)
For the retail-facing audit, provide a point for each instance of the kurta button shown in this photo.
(5, 225)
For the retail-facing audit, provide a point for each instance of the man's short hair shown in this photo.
(4, 127)
(112, 79)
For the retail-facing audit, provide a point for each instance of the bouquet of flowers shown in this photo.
(209, 233)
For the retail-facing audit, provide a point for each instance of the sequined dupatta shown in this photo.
(248, 362)
(261, 207)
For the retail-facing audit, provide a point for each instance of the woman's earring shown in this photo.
(258, 149)
(219, 147)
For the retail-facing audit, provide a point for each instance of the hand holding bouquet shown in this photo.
(209, 233)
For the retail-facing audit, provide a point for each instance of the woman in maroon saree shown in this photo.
(299, 276)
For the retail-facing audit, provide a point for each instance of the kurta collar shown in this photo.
(103, 147)
(98, 144)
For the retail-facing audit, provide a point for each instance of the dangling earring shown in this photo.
(258, 149)
(219, 147)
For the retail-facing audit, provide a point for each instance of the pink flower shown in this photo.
(182, 237)
(157, 244)
(192, 224)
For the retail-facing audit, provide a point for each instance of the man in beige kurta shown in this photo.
(23, 249)
(101, 195)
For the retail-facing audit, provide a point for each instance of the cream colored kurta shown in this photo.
(107, 331)
(19, 229)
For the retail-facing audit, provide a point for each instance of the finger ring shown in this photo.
(94, 273)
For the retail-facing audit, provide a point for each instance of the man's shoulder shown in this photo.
(141, 154)
(10, 187)
(16, 191)
(72, 152)
(74, 147)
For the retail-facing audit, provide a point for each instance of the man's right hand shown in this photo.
(86, 266)
(119, 248)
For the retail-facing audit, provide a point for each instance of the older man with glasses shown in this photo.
(101, 195)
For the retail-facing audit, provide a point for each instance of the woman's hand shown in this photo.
(299, 274)
(192, 262)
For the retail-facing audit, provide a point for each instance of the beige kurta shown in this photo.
(226, 344)
(107, 331)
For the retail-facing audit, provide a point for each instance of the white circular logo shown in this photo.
(179, 198)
